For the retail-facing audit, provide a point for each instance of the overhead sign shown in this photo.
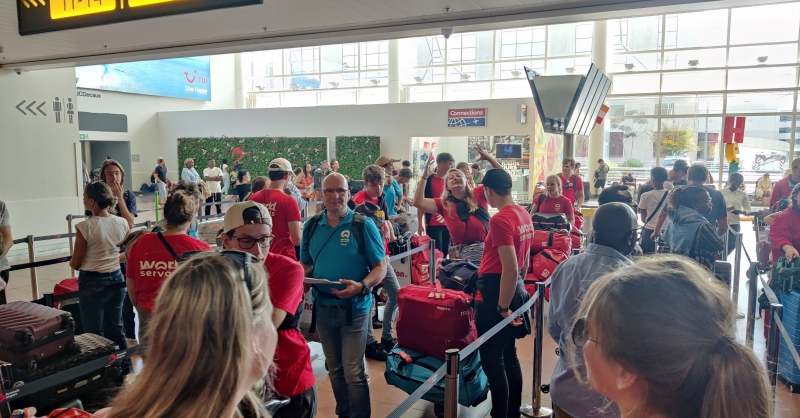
(462, 118)
(37, 16)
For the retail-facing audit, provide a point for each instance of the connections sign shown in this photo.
(37, 16)
(461, 118)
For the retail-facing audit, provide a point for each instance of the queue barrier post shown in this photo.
(32, 259)
(752, 290)
(536, 410)
(737, 268)
(452, 359)
(432, 260)
(149, 224)
(725, 244)
(71, 244)
(773, 343)
(156, 206)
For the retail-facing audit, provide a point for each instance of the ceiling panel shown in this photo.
(287, 22)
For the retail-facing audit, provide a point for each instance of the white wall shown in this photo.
(37, 155)
(396, 124)
(142, 112)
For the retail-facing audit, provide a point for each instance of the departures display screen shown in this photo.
(38, 16)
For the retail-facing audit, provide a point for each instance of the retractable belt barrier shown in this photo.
(439, 374)
(776, 327)
(41, 263)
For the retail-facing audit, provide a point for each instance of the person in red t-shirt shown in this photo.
(785, 186)
(553, 201)
(571, 185)
(435, 225)
(474, 225)
(151, 260)
(248, 228)
(501, 290)
(283, 209)
(784, 233)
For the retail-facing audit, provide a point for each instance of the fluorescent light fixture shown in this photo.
(694, 63)
(375, 82)
(570, 70)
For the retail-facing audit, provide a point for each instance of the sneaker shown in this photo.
(376, 351)
(377, 324)
(389, 344)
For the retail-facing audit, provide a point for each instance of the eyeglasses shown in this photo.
(334, 191)
(247, 243)
(241, 260)
(579, 333)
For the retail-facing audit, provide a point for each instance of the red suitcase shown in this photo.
(558, 239)
(31, 332)
(433, 320)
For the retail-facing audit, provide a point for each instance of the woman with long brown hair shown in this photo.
(658, 339)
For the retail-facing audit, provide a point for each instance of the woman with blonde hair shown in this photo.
(463, 209)
(553, 202)
(220, 304)
(658, 338)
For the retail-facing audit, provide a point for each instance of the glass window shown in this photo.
(267, 63)
(374, 55)
(302, 60)
(421, 94)
(760, 102)
(337, 97)
(631, 139)
(301, 82)
(769, 23)
(268, 84)
(635, 34)
(337, 58)
(522, 43)
(373, 96)
(511, 89)
(635, 62)
(688, 30)
(769, 54)
(628, 106)
(430, 50)
(517, 69)
(428, 75)
(332, 81)
(468, 91)
(375, 78)
(694, 81)
(579, 66)
(469, 72)
(691, 104)
(705, 58)
(761, 78)
(569, 39)
(299, 99)
(645, 83)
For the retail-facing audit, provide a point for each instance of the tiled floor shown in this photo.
(385, 398)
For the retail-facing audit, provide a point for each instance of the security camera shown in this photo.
(446, 32)
(18, 71)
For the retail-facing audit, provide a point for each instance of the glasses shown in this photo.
(247, 243)
(241, 260)
(335, 191)
(579, 333)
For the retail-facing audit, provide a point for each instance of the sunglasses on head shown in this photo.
(241, 260)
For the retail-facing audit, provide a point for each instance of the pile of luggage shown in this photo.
(553, 242)
(786, 285)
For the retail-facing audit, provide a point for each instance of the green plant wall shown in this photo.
(254, 154)
(356, 152)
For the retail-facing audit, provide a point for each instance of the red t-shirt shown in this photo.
(570, 186)
(457, 227)
(150, 263)
(437, 188)
(362, 197)
(511, 226)
(283, 210)
(555, 205)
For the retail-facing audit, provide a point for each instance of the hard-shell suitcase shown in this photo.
(420, 262)
(473, 386)
(432, 320)
(30, 333)
(787, 369)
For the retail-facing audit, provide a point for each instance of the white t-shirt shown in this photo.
(102, 235)
(649, 202)
(213, 186)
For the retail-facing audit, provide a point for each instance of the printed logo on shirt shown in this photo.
(156, 268)
(271, 207)
(344, 239)
(439, 218)
(525, 231)
(558, 206)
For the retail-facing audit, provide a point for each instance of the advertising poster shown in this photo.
(182, 78)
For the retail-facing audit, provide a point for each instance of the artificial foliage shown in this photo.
(356, 152)
(253, 154)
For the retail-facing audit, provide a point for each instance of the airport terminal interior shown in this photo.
(636, 162)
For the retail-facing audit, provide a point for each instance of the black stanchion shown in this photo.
(536, 410)
(432, 262)
(773, 343)
(737, 268)
(452, 359)
(752, 296)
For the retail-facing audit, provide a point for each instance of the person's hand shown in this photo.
(352, 289)
(514, 322)
(482, 155)
(117, 189)
(428, 167)
(655, 236)
(791, 253)
(421, 230)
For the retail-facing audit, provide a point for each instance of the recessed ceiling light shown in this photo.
(629, 66)
(762, 59)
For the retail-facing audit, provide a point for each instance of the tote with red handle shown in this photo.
(433, 320)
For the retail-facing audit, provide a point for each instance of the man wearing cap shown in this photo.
(213, 176)
(282, 207)
(435, 225)
(391, 188)
(784, 187)
(334, 252)
(248, 228)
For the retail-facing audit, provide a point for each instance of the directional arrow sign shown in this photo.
(29, 108)
(39, 108)
(20, 104)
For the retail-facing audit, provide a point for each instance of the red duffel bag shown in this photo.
(578, 219)
(577, 238)
(420, 262)
(64, 287)
(542, 267)
(432, 319)
(557, 239)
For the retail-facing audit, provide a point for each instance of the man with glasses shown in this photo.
(282, 208)
(345, 248)
(248, 228)
(614, 237)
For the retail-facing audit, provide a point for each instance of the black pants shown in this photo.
(648, 245)
(4, 275)
(128, 318)
(732, 237)
(441, 235)
(215, 197)
(303, 405)
(500, 363)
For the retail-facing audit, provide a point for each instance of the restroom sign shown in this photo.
(464, 118)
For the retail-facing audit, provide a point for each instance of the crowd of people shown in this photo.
(234, 314)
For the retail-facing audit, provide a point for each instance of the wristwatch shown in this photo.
(365, 290)
(501, 310)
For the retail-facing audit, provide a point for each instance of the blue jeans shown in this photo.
(344, 347)
(101, 311)
(391, 286)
